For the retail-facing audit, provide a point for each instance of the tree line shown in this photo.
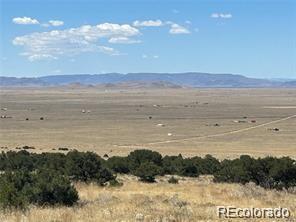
(46, 178)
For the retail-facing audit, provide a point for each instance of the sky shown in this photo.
(55, 37)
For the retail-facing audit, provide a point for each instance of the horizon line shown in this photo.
(159, 73)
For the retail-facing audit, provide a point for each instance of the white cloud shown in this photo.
(25, 21)
(155, 56)
(31, 21)
(225, 15)
(148, 23)
(174, 29)
(144, 56)
(215, 15)
(221, 15)
(123, 40)
(109, 50)
(35, 57)
(178, 29)
(69, 42)
(56, 22)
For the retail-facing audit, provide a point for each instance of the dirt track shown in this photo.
(223, 134)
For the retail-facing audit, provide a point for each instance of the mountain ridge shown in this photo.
(188, 79)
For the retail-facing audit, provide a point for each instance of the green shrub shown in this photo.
(15, 189)
(137, 157)
(118, 164)
(87, 167)
(21, 160)
(18, 189)
(53, 161)
(51, 188)
(172, 164)
(269, 172)
(173, 180)
(189, 169)
(147, 172)
(208, 165)
(277, 173)
(103, 175)
(240, 170)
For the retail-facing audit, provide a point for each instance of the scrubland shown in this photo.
(193, 199)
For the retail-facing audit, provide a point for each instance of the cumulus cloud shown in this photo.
(68, 42)
(123, 40)
(56, 22)
(174, 27)
(31, 21)
(87, 38)
(221, 15)
(148, 23)
(25, 21)
(178, 29)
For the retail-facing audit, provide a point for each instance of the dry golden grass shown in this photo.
(190, 200)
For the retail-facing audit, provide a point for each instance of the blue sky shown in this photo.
(253, 38)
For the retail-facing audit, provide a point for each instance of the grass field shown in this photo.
(190, 200)
(195, 121)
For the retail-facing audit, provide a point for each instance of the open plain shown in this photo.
(225, 123)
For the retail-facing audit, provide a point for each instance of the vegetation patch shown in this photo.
(20, 188)
(46, 178)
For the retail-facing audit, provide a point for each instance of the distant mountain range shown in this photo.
(290, 84)
(168, 80)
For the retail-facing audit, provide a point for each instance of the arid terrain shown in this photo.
(191, 200)
(147, 111)
(223, 122)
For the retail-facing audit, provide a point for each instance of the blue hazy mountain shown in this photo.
(190, 79)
